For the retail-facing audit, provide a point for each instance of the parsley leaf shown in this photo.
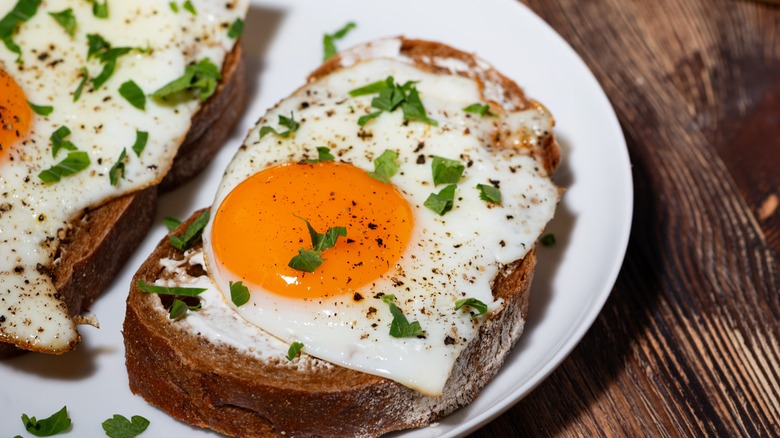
(171, 223)
(179, 308)
(400, 327)
(133, 94)
(192, 234)
(236, 29)
(446, 171)
(140, 142)
(41, 110)
(385, 166)
(474, 303)
(75, 162)
(53, 425)
(118, 169)
(489, 193)
(201, 78)
(174, 7)
(481, 109)
(548, 239)
(323, 154)
(120, 427)
(391, 96)
(58, 140)
(100, 10)
(307, 260)
(188, 6)
(294, 350)
(288, 123)
(165, 290)
(239, 293)
(96, 44)
(442, 202)
(109, 58)
(80, 88)
(329, 40)
(22, 11)
(414, 110)
(66, 19)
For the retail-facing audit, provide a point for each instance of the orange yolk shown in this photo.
(256, 233)
(15, 113)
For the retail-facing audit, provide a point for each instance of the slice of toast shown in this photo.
(99, 243)
(212, 384)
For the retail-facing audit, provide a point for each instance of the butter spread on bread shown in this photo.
(102, 129)
(479, 247)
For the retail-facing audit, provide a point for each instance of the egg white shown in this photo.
(448, 258)
(36, 215)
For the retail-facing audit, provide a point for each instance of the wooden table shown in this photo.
(689, 341)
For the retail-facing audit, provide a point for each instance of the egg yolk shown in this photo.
(15, 113)
(256, 233)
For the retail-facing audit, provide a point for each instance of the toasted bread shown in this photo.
(211, 384)
(99, 243)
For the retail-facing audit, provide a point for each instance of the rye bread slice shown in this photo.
(98, 244)
(213, 385)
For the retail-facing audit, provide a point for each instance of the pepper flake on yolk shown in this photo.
(15, 113)
(256, 232)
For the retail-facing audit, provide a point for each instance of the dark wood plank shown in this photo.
(689, 342)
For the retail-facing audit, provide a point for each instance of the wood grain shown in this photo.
(689, 342)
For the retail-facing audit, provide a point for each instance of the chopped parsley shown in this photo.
(174, 7)
(171, 223)
(100, 10)
(192, 234)
(480, 109)
(239, 293)
(66, 19)
(236, 29)
(58, 140)
(179, 308)
(189, 7)
(294, 350)
(287, 122)
(22, 11)
(442, 202)
(120, 427)
(329, 40)
(141, 138)
(118, 169)
(474, 303)
(489, 193)
(41, 110)
(165, 290)
(385, 166)
(80, 87)
(56, 423)
(133, 94)
(75, 162)
(400, 327)
(446, 171)
(201, 79)
(323, 154)
(308, 260)
(548, 239)
(101, 49)
(391, 96)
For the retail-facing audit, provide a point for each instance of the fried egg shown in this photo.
(57, 56)
(397, 254)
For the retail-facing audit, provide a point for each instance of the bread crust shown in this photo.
(98, 243)
(212, 385)
(215, 386)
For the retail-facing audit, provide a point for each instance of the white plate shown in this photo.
(283, 42)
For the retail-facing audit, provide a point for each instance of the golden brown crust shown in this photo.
(214, 386)
(103, 238)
